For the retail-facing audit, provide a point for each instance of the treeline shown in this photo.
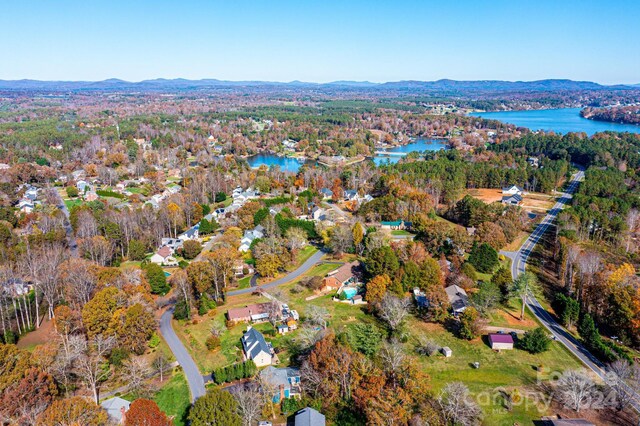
(621, 114)
(236, 371)
(610, 149)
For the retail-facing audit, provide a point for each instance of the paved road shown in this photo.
(308, 264)
(71, 239)
(519, 260)
(191, 371)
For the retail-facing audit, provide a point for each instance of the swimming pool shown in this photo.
(349, 292)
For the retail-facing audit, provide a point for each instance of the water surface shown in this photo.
(563, 121)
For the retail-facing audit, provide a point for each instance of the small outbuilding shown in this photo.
(499, 341)
(446, 351)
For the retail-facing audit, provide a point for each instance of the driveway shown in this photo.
(191, 371)
(71, 239)
(301, 270)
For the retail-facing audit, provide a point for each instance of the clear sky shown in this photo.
(321, 40)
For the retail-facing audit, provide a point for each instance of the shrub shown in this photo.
(72, 191)
(181, 311)
(484, 258)
(213, 342)
(191, 248)
(154, 341)
(535, 341)
(118, 356)
(156, 278)
(220, 197)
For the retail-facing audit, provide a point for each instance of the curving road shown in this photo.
(308, 264)
(71, 239)
(519, 260)
(191, 371)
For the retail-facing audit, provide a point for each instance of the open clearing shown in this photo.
(530, 200)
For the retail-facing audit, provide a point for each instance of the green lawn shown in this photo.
(401, 232)
(173, 398)
(509, 370)
(244, 282)
(71, 203)
(306, 253)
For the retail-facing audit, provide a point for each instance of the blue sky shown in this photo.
(321, 40)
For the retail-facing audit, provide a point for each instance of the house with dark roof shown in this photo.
(309, 417)
(116, 409)
(326, 193)
(457, 298)
(256, 348)
(395, 224)
(513, 200)
(285, 382)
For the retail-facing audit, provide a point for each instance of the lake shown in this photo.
(286, 164)
(419, 145)
(563, 120)
(292, 165)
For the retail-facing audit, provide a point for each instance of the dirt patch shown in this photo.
(42, 335)
(530, 200)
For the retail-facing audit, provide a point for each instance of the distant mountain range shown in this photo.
(161, 84)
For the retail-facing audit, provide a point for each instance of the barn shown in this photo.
(499, 341)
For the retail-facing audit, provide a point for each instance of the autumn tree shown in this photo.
(23, 401)
(492, 234)
(133, 327)
(98, 312)
(471, 324)
(73, 411)
(144, 412)
(376, 288)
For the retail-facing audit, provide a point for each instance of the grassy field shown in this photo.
(244, 282)
(173, 398)
(507, 370)
(401, 232)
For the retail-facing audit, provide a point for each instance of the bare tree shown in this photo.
(135, 372)
(89, 364)
(575, 389)
(392, 358)
(295, 239)
(79, 281)
(457, 406)
(250, 403)
(160, 363)
(589, 263)
(317, 315)
(633, 219)
(393, 310)
(623, 378)
(426, 346)
(307, 337)
(51, 257)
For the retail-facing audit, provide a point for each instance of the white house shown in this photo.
(163, 257)
(256, 348)
(512, 190)
(190, 234)
(116, 408)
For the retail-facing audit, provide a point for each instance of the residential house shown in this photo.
(249, 236)
(533, 161)
(512, 200)
(318, 213)
(345, 274)
(326, 193)
(83, 186)
(91, 196)
(351, 195)
(26, 206)
(190, 234)
(457, 298)
(116, 409)
(241, 269)
(163, 257)
(285, 382)
(31, 193)
(4, 166)
(421, 298)
(309, 417)
(395, 224)
(256, 348)
(500, 341)
(512, 190)
(173, 243)
(251, 313)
